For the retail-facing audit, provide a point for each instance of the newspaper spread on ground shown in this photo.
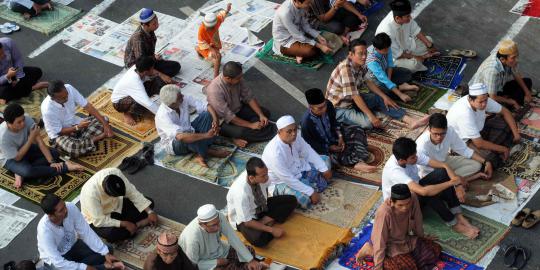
(12, 221)
(85, 31)
(8, 198)
(253, 14)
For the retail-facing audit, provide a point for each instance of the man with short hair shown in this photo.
(113, 207)
(491, 137)
(202, 242)
(294, 167)
(168, 255)
(441, 189)
(497, 71)
(439, 140)
(23, 152)
(251, 211)
(143, 43)
(208, 41)
(66, 242)
(410, 46)
(244, 120)
(354, 107)
(65, 129)
(133, 93)
(16, 80)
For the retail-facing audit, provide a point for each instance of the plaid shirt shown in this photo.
(493, 74)
(140, 43)
(344, 84)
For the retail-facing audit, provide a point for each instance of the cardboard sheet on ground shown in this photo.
(86, 30)
(12, 221)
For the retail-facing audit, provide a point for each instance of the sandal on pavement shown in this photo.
(520, 217)
(127, 162)
(510, 254)
(522, 256)
(137, 165)
(531, 219)
(464, 53)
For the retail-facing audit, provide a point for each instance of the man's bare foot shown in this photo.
(465, 230)
(461, 219)
(201, 161)
(27, 16)
(129, 119)
(218, 153)
(240, 143)
(99, 137)
(364, 167)
(18, 181)
(2, 101)
(40, 85)
(408, 87)
(72, 166)
(299, 59)
(366, 250)
(419, 123)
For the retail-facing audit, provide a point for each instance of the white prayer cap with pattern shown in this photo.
(478, 89)
(206, 213)
(210, 19)
(284, 121)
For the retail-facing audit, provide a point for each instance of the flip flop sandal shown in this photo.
(510, 255)
(522, 256)
(531, 219)
(464, 53)
(520, 217)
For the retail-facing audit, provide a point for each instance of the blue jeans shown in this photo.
(34, 164)
(201, 124)
(353, 116)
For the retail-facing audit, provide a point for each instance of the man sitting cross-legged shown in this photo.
(30, 8)
(344, 144)
(113, 207)
(23, 152)
(441, 189)
(168, 255)
(66, 242)
(178, 135)
(65, 129)
(251, 211)
(293, 166)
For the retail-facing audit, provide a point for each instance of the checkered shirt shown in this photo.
(344, 84)
(493, 74)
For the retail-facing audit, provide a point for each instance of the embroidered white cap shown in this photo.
(207, 213)
(478, 89)
(210, 19)
(284, 121)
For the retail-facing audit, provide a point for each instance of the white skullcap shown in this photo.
(210, 19)
(206, 213)
(478, 89)
(284, 121)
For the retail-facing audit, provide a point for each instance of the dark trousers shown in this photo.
(16, 7)
(129, 213)
(81, 253)
(167, 67)
(341, 20)
(250, 135)
(279, 209)
(445, 200)
(23, 87)
(512, 90)
(34, 165)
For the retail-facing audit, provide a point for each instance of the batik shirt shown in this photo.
(139, 44)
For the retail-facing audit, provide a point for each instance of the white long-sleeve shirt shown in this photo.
(132, 85)
(468, 122)
(286, 163)
(55, 241)
(403, 36)
(169, 122)
(291, 25)
(57, 116)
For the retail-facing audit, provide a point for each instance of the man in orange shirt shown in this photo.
(209, 43)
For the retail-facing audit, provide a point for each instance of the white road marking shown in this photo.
(282, 82)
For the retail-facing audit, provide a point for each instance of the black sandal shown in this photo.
(521, 258)
(510, 255)
(127, 162)
(137, 165)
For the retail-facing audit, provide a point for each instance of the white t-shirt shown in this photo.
(394, 174)
(57, 116)
(467, 122)
(132, 85)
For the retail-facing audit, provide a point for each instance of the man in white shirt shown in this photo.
(410, 47)
(66, 242)
(441, 189)
(491, 137)
(178, 135)
(65, 129)
(251, 212)
(293, 166)
(113, 206)
(133, 93)
(439, 140)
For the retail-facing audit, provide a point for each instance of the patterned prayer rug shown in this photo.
(425, 98)
(491, 232)
(524, 161)
(266, 53)
(529, 125)
(144, 131)
(252, 148)
(48, 22)
(394, 129)
(478, 191)
(62, 185)
(443, 71)
(343, 204)
(307, 243)
(30, 104)
(134, 251)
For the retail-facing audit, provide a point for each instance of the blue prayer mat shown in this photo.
(442, 71)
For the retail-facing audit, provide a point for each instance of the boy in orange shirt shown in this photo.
(209, 43)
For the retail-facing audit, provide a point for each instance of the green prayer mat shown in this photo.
(31, 104)
(425, 98)
(47, 22)
(266, 53)
(491, 232)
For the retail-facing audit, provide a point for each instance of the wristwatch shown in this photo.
(150, 211)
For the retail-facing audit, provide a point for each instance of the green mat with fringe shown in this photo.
(266, 53)
(47, 22)
(426, 97)
(31, 104)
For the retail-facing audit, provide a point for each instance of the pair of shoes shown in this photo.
(136, 162)
(515, 256)
(526, 218)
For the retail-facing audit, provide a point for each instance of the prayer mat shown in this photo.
(491, 232)
(232, 168)
(343, 204)
(529, 125)
(144, 130)
(480, 192)
(30, 104)
(48, 21)
(524, 161)
(307, 243)
(252, 148)
(442, 71)
(61, 185)
(380, 150)
(266, 53)
(393, 129)
(134, 251)
(425, 98)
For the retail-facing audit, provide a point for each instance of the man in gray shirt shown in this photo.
(23, 152)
